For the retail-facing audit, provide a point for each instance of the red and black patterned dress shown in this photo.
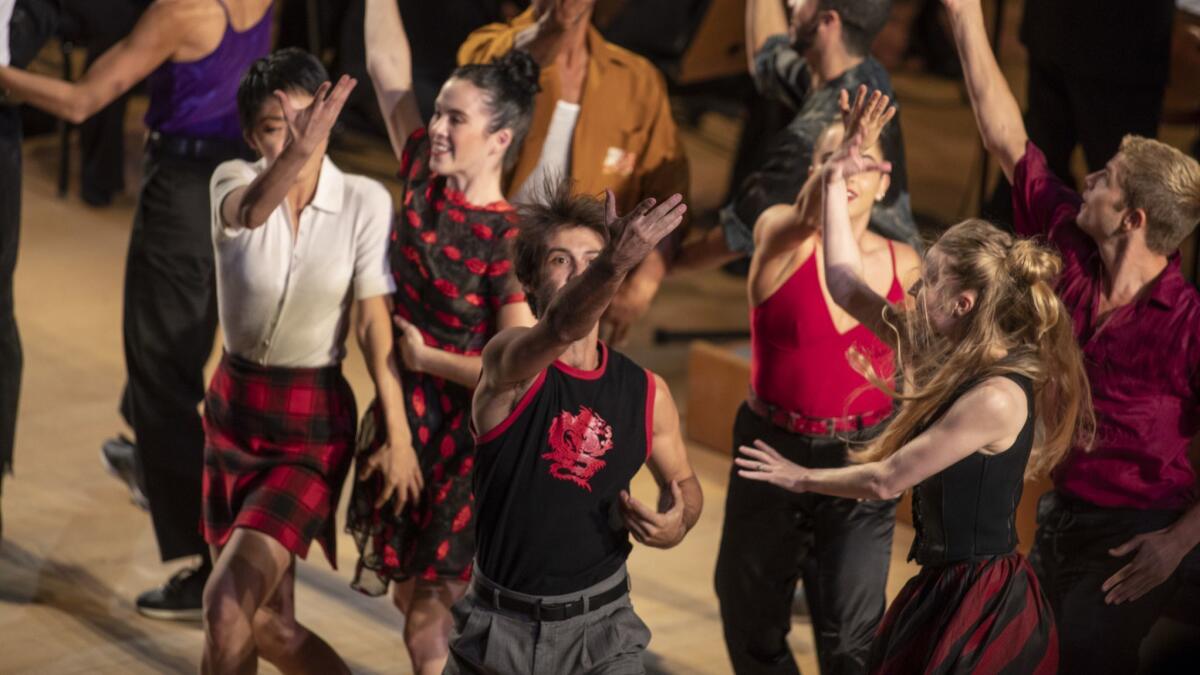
(451, 263)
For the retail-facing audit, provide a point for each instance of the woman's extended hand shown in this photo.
(763, 463)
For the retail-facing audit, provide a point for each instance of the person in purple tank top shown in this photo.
(193, 53)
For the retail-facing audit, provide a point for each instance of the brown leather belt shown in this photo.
(799, 423)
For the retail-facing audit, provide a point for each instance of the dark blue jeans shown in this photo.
(771, 538)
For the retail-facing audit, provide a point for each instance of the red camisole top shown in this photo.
(798, 359)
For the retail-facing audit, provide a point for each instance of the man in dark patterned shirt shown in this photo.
(805, 61)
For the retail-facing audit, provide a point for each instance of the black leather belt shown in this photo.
(203, 149)
(540, 611)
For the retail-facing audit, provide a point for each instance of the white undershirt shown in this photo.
(556, 151)
(6, 10)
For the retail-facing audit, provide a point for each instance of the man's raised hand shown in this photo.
(637, 233)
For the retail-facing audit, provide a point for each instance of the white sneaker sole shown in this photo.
(190, 615)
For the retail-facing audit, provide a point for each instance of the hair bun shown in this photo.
(1032, 263)
(520, 71)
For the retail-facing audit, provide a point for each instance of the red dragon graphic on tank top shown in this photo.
(577, 442)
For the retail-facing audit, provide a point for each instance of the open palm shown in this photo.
(309, 126)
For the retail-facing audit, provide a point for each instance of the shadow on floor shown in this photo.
(26, 578)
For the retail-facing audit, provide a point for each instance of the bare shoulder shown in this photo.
(907, 259)
(770, 221)
(998, 399)
(178, 12)
(190, 25)
(665, 410)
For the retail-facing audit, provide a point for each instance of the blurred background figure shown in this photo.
(30, 23)
(602, 118)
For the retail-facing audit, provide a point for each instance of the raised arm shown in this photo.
(996, 109)
(764, 18)
(389, 63)
(307, 129)
(680, 499)
(778, 232)
(843, 259)
(154, 39)
(517, 355)
(988, 418)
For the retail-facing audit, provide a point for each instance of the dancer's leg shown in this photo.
(245, 576)
(287, 644)
(427, 620)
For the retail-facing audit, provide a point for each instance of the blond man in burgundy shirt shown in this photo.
(1123, 515)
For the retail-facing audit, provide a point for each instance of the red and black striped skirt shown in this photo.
(278, 445)
(987, 616)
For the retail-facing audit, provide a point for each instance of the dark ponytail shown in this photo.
(511, 83)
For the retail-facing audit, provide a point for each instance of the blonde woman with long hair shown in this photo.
(994, 392)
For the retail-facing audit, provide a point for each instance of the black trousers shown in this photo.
(10, 233)
(772, 537)
(170, 320)
(102, 136)
(1065, 111)
(1071, 558)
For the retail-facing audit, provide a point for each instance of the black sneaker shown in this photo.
(180, 599)
(120, 458)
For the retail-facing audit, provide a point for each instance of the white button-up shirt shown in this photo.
(284, 300)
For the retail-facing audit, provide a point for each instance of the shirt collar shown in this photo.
(601, 52)
(1169, 284)
(331, 183)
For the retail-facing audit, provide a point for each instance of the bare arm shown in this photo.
(987, 418)
(389, 62)
(843, 260)
(779, 231)
(249, 207)
(516, 355)
(396, 460)
(680, 499)
(764, 18)
(153, 40)
(996, 109)
(458, 368)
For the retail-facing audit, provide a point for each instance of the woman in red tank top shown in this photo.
(806, 397)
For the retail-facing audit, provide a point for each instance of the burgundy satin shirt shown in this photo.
(1143, 362)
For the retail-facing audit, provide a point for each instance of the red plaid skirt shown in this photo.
(278, 444)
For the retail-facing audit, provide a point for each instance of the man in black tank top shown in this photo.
(562, 425)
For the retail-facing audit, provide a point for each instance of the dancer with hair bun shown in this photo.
(412, 513)
(995, 392)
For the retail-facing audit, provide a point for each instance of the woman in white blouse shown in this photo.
(296, 241)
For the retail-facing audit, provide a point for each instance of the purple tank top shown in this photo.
(198, 99)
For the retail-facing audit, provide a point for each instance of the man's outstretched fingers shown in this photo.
(610, 206)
